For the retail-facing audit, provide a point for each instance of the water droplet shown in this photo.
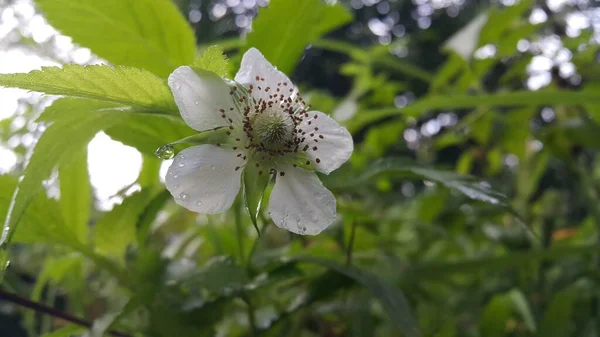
(199, 203)
(175, 176)
(178, 86)
(165, 152)
(196, 102)
(181, 164)
(182, 196)
(213, 167)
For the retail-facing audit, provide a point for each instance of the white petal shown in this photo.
(200, 95)
(203, 178)
(300, 203)
(334, 143)
(254, 65)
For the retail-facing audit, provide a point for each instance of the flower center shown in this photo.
(273, 129)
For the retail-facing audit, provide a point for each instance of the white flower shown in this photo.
(268, 126)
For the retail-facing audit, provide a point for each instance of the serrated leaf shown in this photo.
(58, 145)
(298, 24)
(213, 60)
(254, 191)
(76, 195)
(149, 34)
(116, 230)
(127, 86)
(392, 298)
(406, 168)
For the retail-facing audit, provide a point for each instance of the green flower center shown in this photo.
(273, 130)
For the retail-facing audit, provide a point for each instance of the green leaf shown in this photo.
(59, 144)
(522, 307)
(117, 229)
(220, 275)
(298, 23)
(495, 316)
(254, 191)
(149, 34)
(41, 222)
(213, 60)
(459, 101)
(70, 330)
(496, 263)
(76, 195)
(129, 86)
(392, 298)
(406, 168)
(148, 132)
(557, 317)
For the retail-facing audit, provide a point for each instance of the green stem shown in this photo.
(251, 317)
(350, 247)
(239, 229)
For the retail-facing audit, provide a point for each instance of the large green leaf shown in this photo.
(392, 298)
(149, 34)
(117, 229)
(59, 144)
(127, 86)
(284, 28)
(406, 168)
(76, 195)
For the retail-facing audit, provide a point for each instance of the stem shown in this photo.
(239, 229)
(251, 316)
(350, 247)
(38, 307)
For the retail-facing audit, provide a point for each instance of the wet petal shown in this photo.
(300, 203)
(202, 97)
(329, 144)
(204, 178)
(255, 70)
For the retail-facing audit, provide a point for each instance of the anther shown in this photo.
(318, 160)
(282, 173)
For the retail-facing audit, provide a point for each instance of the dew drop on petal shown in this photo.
(182, 196)
(199, 203)
(181, 164)
(165, 152)
(213, 167)
(196, 102)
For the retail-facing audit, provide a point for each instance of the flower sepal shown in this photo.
(255, 181)
(214, 136)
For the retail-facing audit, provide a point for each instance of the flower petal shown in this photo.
(330, 145)
(204, 178)
(199, 96)
(300, 203)
(254, 65)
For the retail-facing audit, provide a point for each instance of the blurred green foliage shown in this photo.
(469, 208)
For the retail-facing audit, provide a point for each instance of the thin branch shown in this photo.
(38, 307)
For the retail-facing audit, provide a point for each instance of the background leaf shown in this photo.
(149, 34)
(298, 24)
